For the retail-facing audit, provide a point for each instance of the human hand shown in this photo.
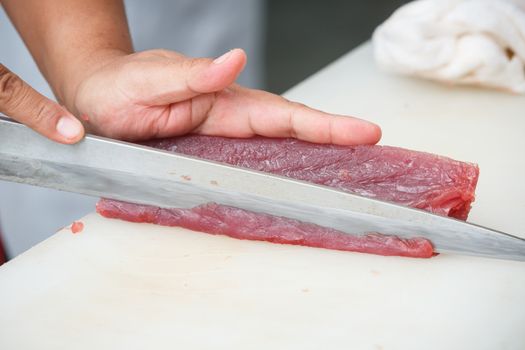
(160, 93)
(21, 102)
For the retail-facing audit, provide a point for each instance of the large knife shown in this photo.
(107, 168)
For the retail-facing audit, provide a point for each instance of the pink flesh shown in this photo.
(243, 224)
(421, 180)
(77, 226)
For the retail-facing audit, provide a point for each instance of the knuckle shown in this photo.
(17, 98)
(12, 89)
(160, 53)
(156, 54)
(191, 64)
(186, 65)
(44, 112)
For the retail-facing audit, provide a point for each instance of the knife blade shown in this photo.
(102, 167)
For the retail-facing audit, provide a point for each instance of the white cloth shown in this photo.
(478, 42)
(194, 27)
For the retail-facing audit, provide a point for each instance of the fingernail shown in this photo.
(69, 127)
(222, 58)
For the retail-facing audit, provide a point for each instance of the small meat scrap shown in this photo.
(421, 180)
(77, 227)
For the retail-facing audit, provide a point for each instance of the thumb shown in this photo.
(21, 102)
(210, 76)
(175, 78)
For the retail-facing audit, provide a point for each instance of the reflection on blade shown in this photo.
(118, 170)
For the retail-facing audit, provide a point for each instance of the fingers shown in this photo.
(241, 112)
(312, 125)
(171, 77)
(21, 102)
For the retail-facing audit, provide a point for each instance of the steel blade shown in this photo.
(112, 169)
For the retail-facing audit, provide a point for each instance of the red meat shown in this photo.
(77, 227)
(243, 224)
(421, 180)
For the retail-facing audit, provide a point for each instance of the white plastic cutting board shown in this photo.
(118, 285)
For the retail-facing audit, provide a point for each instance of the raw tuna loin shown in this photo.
(420, 180)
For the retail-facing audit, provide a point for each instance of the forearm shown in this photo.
(69, 39)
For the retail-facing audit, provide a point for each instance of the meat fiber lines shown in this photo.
(421, 180)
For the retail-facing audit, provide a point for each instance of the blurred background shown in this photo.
(304, 36)
(286, 42)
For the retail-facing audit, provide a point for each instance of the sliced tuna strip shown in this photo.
(437, 184)
(243, 224)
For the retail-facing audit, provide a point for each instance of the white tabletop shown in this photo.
(135, 286)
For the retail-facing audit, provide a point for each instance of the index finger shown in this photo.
(21, 102)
